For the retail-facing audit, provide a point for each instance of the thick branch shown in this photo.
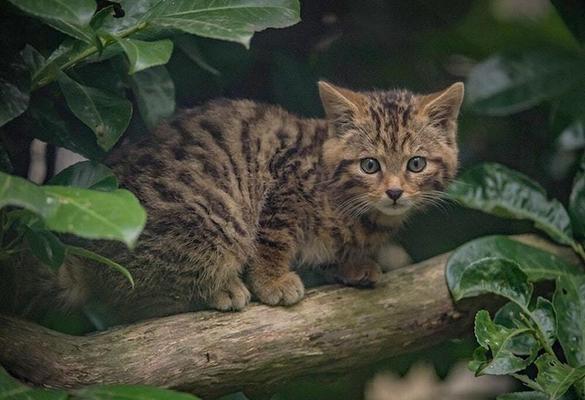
(210, 353)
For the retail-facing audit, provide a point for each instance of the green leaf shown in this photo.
(189, 47)
(11, 389)
(234, 20)
(115, 215)
(523, 396)
(572, 13)
(569, 302)
(71, 17)
(87, 175)
(577, 201)
(48, 126)
(68, 51)
(543, 314)
(154, 91)
(497, 339)
(135, 392)
(556, 378)
(33, 60)
(508, 83)
(496, 276)
(510, 316)
(143, 55)
(14, 91)
(45, 246)
(537, 264)
(81, 252)
(5, 163)
(105, 114)
(503, 192)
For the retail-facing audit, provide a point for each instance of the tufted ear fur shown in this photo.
(443, 107)
(339, 103)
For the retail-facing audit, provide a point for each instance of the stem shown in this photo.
(37, 84)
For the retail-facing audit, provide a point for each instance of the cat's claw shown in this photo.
(286, 290)
(233, 297)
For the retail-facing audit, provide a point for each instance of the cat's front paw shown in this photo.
(285, 290)
(234, 296)
(358, 274)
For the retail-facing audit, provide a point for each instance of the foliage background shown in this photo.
(421, 45)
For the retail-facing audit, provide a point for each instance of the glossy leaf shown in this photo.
(48, 126)
(543, 314)
(68, 51)
(494, 276)
(115, 215)
(154, 91)
(33, 60)
(556, 378)
(14, 91)
(537, 264)
(510, 316)
(497, 339)
(11, 389)
(105, 114)
(135, 392)
(569, 302)
(45, 246)
(87, 175)
(500, 191)
(81, 252)
(508, 83)
(71, 17)
(234, 20)
(143, 55)
(577, 201)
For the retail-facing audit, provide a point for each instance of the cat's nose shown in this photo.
(394, 193)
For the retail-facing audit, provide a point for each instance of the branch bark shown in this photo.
(210, 353)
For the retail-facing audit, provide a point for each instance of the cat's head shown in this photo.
(390, 151)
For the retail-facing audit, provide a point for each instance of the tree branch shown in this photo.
(210, 353)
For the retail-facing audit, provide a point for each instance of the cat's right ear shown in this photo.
(339, 103)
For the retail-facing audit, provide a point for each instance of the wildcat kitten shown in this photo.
(236, 192)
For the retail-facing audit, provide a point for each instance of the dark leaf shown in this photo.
(572, 12)
(14, 90)
(45, 246)
(569, 302)
(497, 339)
(87, 175)
(508, 83)
(154, 91)
(500, 191)
(107, 115)
(535, 263)
(556, 378)
(577, 201)
(143, 55)
(70, 17)
(234, 20)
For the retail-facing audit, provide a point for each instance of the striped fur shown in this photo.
(237, 192)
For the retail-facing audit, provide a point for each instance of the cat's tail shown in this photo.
(30, 289)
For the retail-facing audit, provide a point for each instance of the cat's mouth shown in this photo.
(390, 208)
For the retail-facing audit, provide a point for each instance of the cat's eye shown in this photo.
(370, 165)
(416, 164)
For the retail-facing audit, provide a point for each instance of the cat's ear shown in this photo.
(339, 103)
(443, 107)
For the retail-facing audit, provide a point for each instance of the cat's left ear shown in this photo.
(443, 107)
